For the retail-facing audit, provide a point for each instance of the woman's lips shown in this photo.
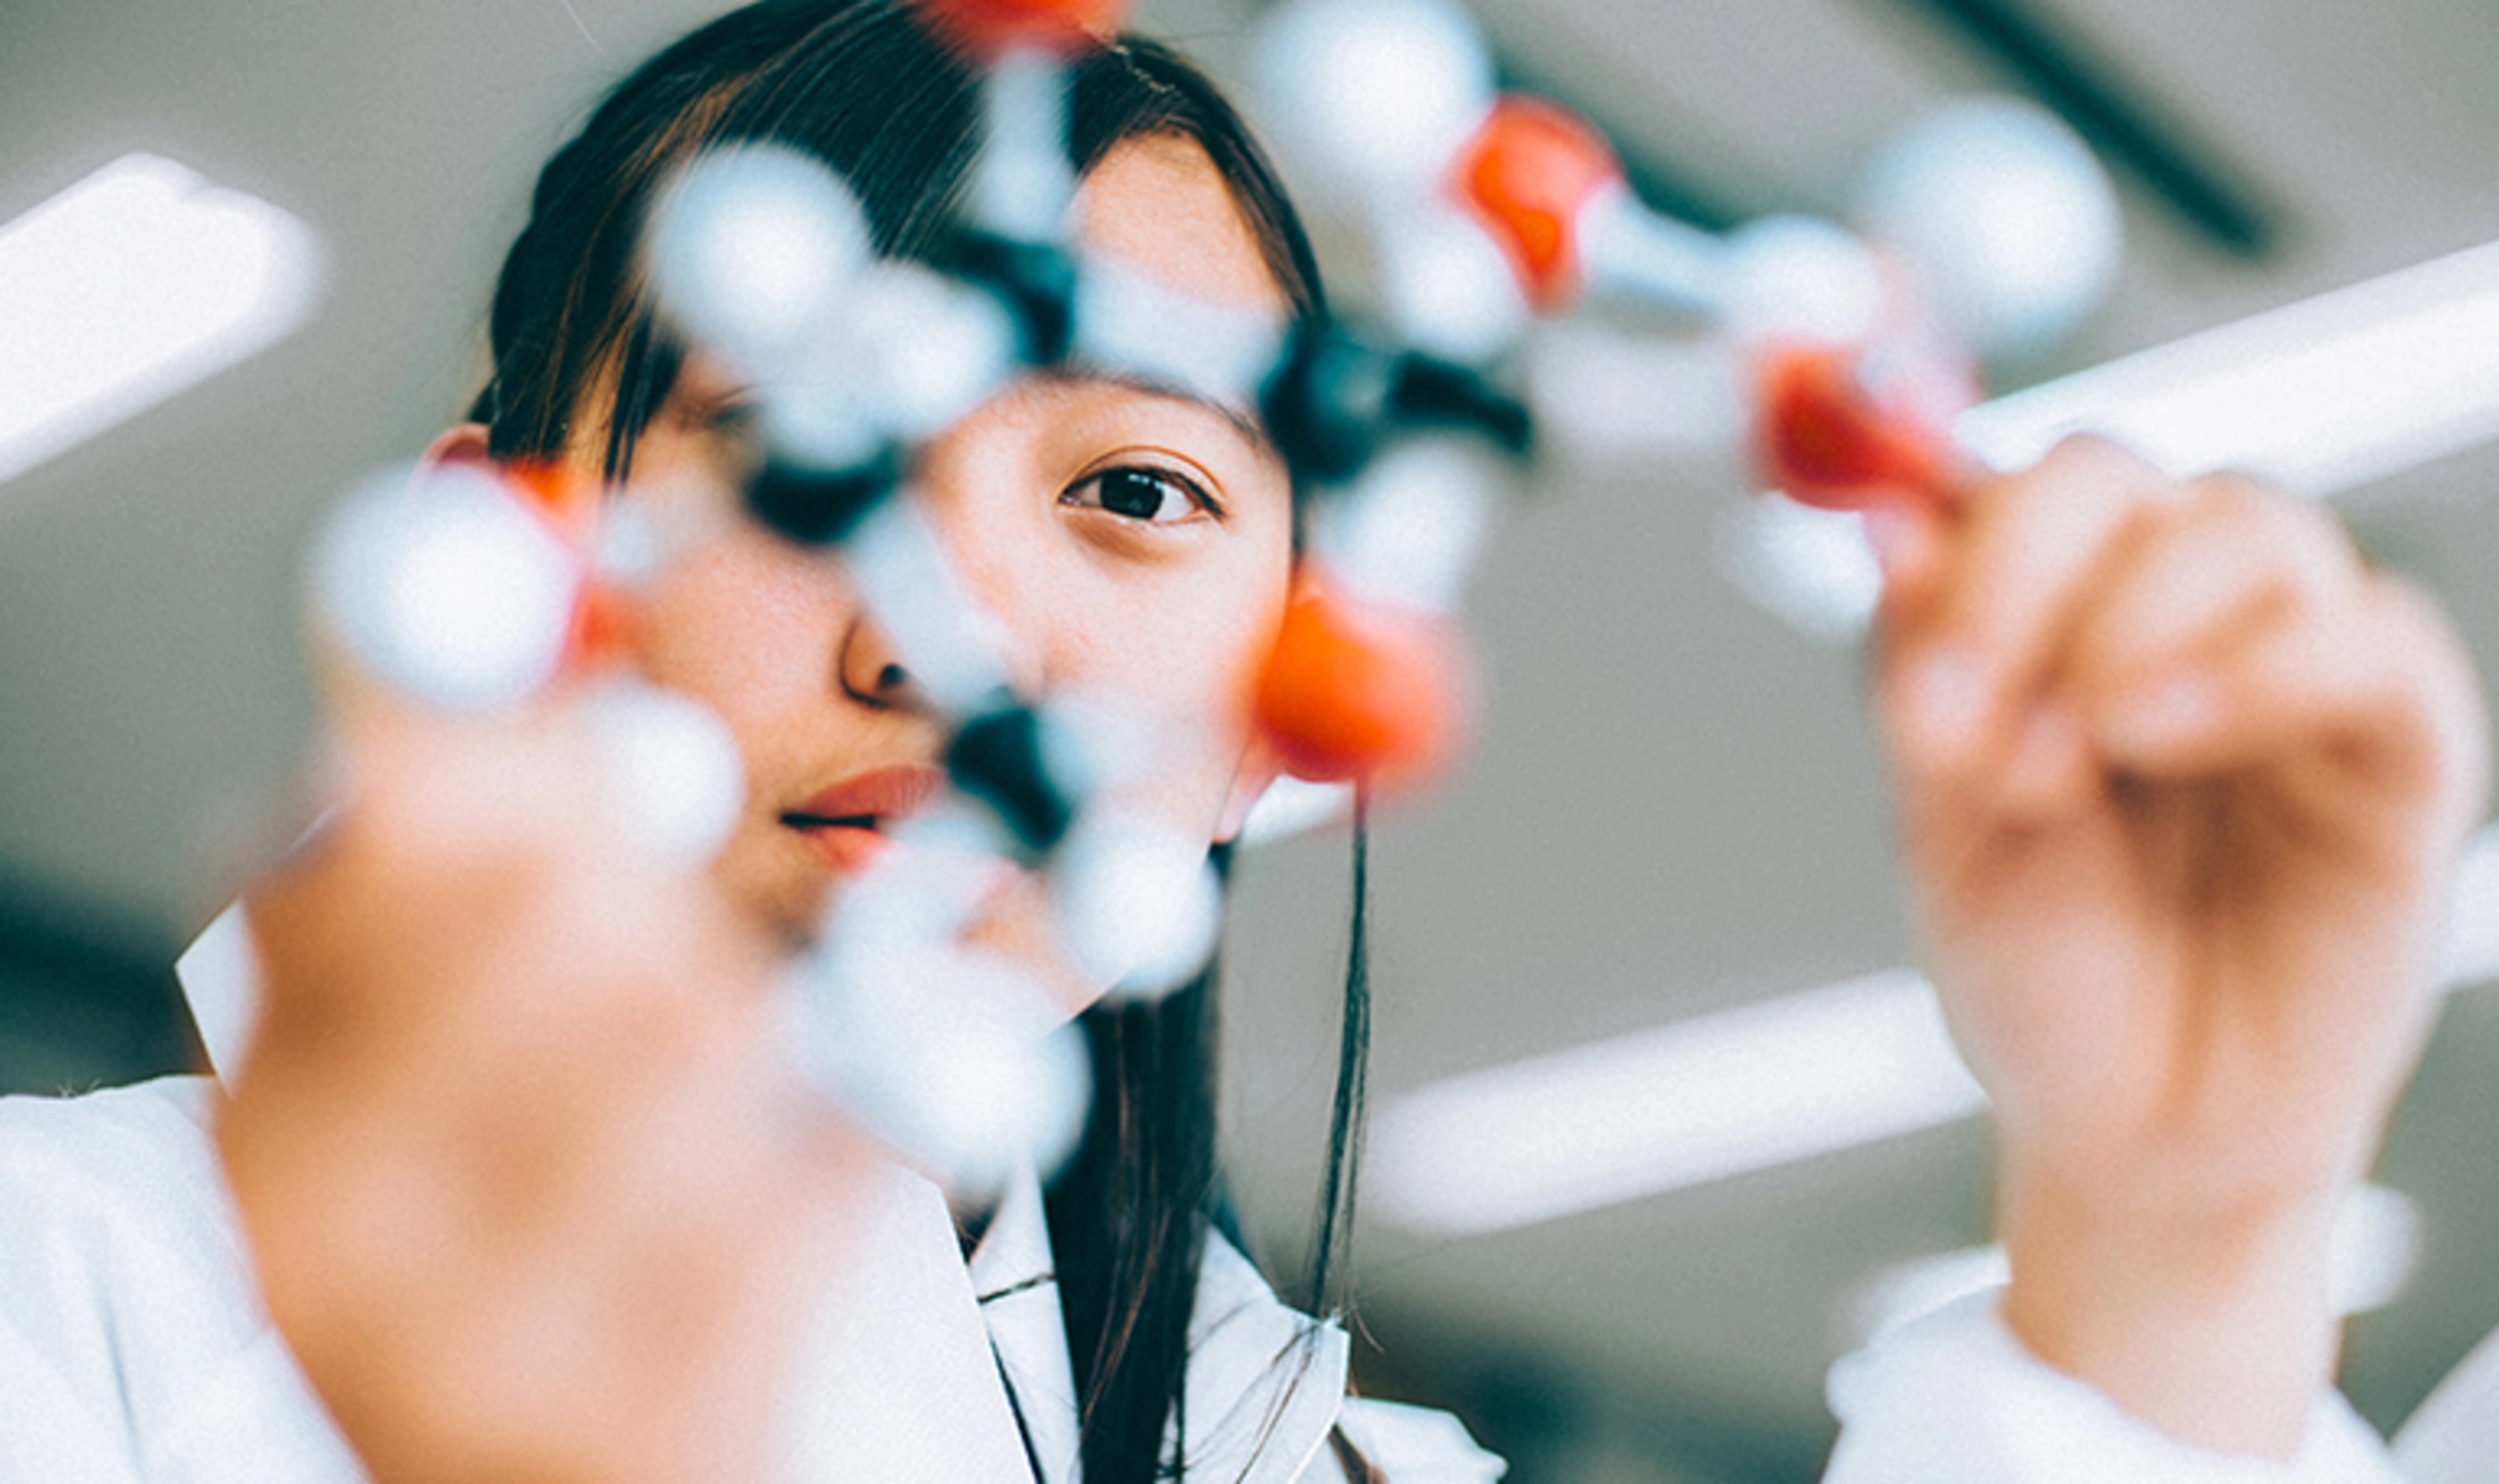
(844, 848)
(847, 824)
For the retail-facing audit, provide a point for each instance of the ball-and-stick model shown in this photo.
(1487, 208)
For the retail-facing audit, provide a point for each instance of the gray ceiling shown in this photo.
(1673, 807)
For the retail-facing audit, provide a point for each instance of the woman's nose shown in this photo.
(962, 574)
(870, 670)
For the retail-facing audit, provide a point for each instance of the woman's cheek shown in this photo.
(739, 627)
(1205, 727)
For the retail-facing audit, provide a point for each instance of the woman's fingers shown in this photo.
(2180, 780)
(517, 1100)
(2224, 555)
(498, 884)
(2241, 626)
(1970, 633)
(2167, 632)
(2368, 690)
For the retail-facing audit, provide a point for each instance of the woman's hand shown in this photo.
(530, 1192)
(2180, 784)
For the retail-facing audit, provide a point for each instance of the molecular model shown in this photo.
(1484, 211)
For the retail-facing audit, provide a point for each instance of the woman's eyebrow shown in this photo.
(708, 390)
(1244, 420)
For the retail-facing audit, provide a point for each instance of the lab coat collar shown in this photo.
(1013, 1282)
(1264, 1383)
(220, 979)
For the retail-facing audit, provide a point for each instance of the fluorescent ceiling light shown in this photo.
(1781, 1079)
(131, 286)
(2320, 397)
(1747, 1089)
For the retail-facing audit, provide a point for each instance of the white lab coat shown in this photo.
(133, 1349)
(1954, 1398)
(133, 1345)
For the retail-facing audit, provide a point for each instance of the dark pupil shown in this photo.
(1132, 492)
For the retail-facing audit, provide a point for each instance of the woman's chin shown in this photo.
(778, 886)
(1018, 929)
(796, 896)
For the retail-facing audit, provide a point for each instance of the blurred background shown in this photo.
(1673, 810)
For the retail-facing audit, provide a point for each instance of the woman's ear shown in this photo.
(553, 489)
(463, 444)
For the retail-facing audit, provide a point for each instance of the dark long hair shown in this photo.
(861, 84)
(894, 108)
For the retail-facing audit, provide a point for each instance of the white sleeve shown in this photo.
(48, 1430)
(132, 1342)
(1955, 1398)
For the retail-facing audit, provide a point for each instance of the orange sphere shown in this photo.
(993, 26)
(1527, 174)
(1827, 438)
(604, 616)
(1360, 691)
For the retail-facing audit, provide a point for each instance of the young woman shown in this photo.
(516, 1182)
(1131, 540)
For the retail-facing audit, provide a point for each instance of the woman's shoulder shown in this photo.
(148, 1108)
(127, 1304)
(112, 1200)
(142, 1149)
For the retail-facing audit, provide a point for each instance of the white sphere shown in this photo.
(1408, 532)
(672, 770)
(2009, 222)
(932, 349)
(753, 248)
(1802, 277)
(911, 353)
(442, 586)
(1138, 907)
(953, 1055)
(1449, 289)
(1372, 96)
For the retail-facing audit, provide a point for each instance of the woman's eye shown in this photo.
(737, 422)
(1142, 494)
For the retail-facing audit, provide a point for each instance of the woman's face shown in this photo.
(1130, 542)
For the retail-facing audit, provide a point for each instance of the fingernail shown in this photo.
(672, 770)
